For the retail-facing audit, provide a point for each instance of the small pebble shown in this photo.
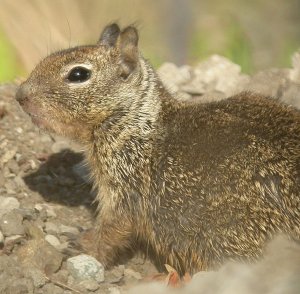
(9, 154)
(10, 186)
(13, 239)
(90, 285)
(7, 204)
(68, 230)
(19, 181)
(131, 273)
(52, 240)
(11, 223)
(37, 276)
(115, 275)
(48, 208)
(114, 290)
(28, 213)
(84, 267)
(13, 166)
(51, 228)
(50, 288)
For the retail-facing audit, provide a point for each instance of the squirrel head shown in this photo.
(73, 90)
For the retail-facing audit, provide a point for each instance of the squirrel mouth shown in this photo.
(37, 117)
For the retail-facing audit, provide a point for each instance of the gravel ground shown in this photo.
(46, 201)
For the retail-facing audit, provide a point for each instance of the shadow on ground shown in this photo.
(58, 180)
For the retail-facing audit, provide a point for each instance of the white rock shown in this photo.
(173, 76)
(84, 267)
(217, 73)
(52, 240)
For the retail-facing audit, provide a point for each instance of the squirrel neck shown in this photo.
(119, 154)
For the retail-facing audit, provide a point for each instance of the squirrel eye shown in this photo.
(79, 74)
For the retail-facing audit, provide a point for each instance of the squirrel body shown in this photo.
(190, 185)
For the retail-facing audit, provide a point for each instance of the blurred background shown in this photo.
(255, 34)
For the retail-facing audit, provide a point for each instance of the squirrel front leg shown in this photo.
(111, 241)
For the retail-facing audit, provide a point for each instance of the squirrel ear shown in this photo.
(128, 46)
(109, 35)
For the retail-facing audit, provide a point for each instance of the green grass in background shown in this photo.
(9, 68)
(289, 48)
(238, 47)
(235, 46)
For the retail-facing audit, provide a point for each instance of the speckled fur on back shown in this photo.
(189, 185)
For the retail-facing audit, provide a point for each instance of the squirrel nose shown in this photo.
(22, 94)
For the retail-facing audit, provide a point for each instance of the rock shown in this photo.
(9, 154)
(115, 275)
(52, 289)
(11, 223)
(45, 138)
(131, 273)
(21, 286)
(51, 228)
(61, 276)
(11, 241)
(19, 182)
(115, 290)
(13, 166)
(268, 82)
(12, 278)
(11, 187)
(9, 266)
(38, 252)
(291, 94)
(52, 240)
(38, 277)
(216, 74)
(90, 285)
(7, 204)
(48, 208)
(84, 267)
(68, 230)
(28, 213)
(173, 76)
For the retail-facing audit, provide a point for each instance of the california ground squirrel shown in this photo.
(190, 185)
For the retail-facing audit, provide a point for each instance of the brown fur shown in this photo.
(189, 185)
